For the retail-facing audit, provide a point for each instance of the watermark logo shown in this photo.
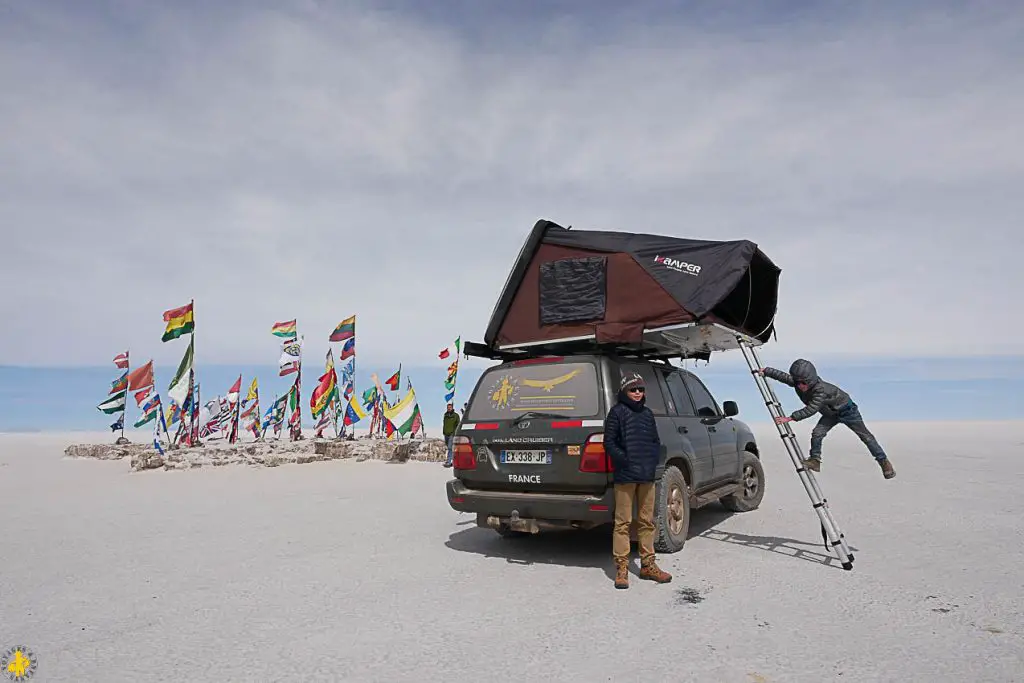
(678, 265)
(18, 663)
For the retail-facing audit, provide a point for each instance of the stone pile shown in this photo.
(270, 453)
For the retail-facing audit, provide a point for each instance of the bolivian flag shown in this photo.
(326, 390)
(179, 321)
(285, 329)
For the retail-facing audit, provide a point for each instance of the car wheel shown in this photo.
(671, 511)
(751, 486)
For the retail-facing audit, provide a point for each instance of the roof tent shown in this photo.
(573, 291)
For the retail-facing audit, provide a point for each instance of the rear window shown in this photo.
(507, 392)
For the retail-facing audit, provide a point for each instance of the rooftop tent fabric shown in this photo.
(614, 285)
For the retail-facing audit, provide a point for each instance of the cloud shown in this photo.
(304, 160)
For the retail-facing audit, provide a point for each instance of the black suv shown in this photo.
(529, 453)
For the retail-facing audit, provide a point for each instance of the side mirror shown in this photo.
(730, 408)
(706, 412)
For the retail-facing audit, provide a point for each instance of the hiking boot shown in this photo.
(813, 464)
(649, 570)
(621, 573)
(887, 471)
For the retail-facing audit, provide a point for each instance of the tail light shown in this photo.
(594, 459)
(462, 454)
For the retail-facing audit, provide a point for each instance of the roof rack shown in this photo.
(689, 341)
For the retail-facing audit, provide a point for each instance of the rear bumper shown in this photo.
(550, 507)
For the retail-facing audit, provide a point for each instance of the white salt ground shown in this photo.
(346, 571)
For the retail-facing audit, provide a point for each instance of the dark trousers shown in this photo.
(849, 416)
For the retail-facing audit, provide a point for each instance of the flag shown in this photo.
(141, 377)
(353, 412)
(119, 384)
(178, 388)
(173, 413)
(393, 380)
(254, 391)
(119, 424)
(348, 350)
(370, 396)
(235, 390)
(179, 321)
(346, 329)
(150, 409)
(402, 414)
(324, 422)
(113, 404)
(417, 421)
(121, 360)
(458, 347)
(285, 329)
(326, 390)
(141, 396)
(291, 354)
(330, 359)
(444, 354)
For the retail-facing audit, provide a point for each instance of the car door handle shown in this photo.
(684, 430)
(712, 429)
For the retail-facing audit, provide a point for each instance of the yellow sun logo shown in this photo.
(18, 663)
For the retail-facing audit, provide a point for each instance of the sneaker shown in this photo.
(813, 464)
(887, 471)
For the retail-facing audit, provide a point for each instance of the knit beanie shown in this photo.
(630, 381)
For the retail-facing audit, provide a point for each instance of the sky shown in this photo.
(312, 159)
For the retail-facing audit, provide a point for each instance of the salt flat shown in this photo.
(351, 571)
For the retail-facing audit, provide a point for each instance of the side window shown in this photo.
(655, 401)
(679, 396)
(702, 398)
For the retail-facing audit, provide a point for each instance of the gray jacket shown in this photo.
(820, 397)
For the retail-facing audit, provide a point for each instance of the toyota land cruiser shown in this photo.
(529, 453)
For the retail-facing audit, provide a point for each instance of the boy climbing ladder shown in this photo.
(835, 406)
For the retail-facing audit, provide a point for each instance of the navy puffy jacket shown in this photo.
(631, 441)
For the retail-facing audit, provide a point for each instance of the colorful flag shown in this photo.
(346, 329)
(285, 329)
(114, 404)
(325, 391)
(119, 424)
(119, 384)
(417, 421)
(393, 380)
(353, 412)
(444, 354)
(178, 388)
(179, 321)
(401, 414)
(141, 377)
(150, 410)
(235, 390)
(121, 360)
(348, 350)
(141, 396)
(291, 354)
(254, 391)
(370, 396)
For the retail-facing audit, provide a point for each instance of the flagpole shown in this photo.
(124, 413)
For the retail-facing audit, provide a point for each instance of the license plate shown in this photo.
(526, 457)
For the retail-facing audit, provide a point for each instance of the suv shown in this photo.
(529, 453)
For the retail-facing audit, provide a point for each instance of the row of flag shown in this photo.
(332, 399)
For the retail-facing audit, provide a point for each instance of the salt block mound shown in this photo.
(262, 453)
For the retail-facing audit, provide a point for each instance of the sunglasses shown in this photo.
(636, 390)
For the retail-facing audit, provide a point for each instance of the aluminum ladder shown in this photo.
(830, 532)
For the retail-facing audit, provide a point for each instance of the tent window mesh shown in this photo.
(573, 290)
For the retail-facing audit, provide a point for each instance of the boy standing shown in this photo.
(835, 406)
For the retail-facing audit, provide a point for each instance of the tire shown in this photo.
(671, 511)
(752, 480)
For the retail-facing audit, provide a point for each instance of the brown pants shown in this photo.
(625, 496)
